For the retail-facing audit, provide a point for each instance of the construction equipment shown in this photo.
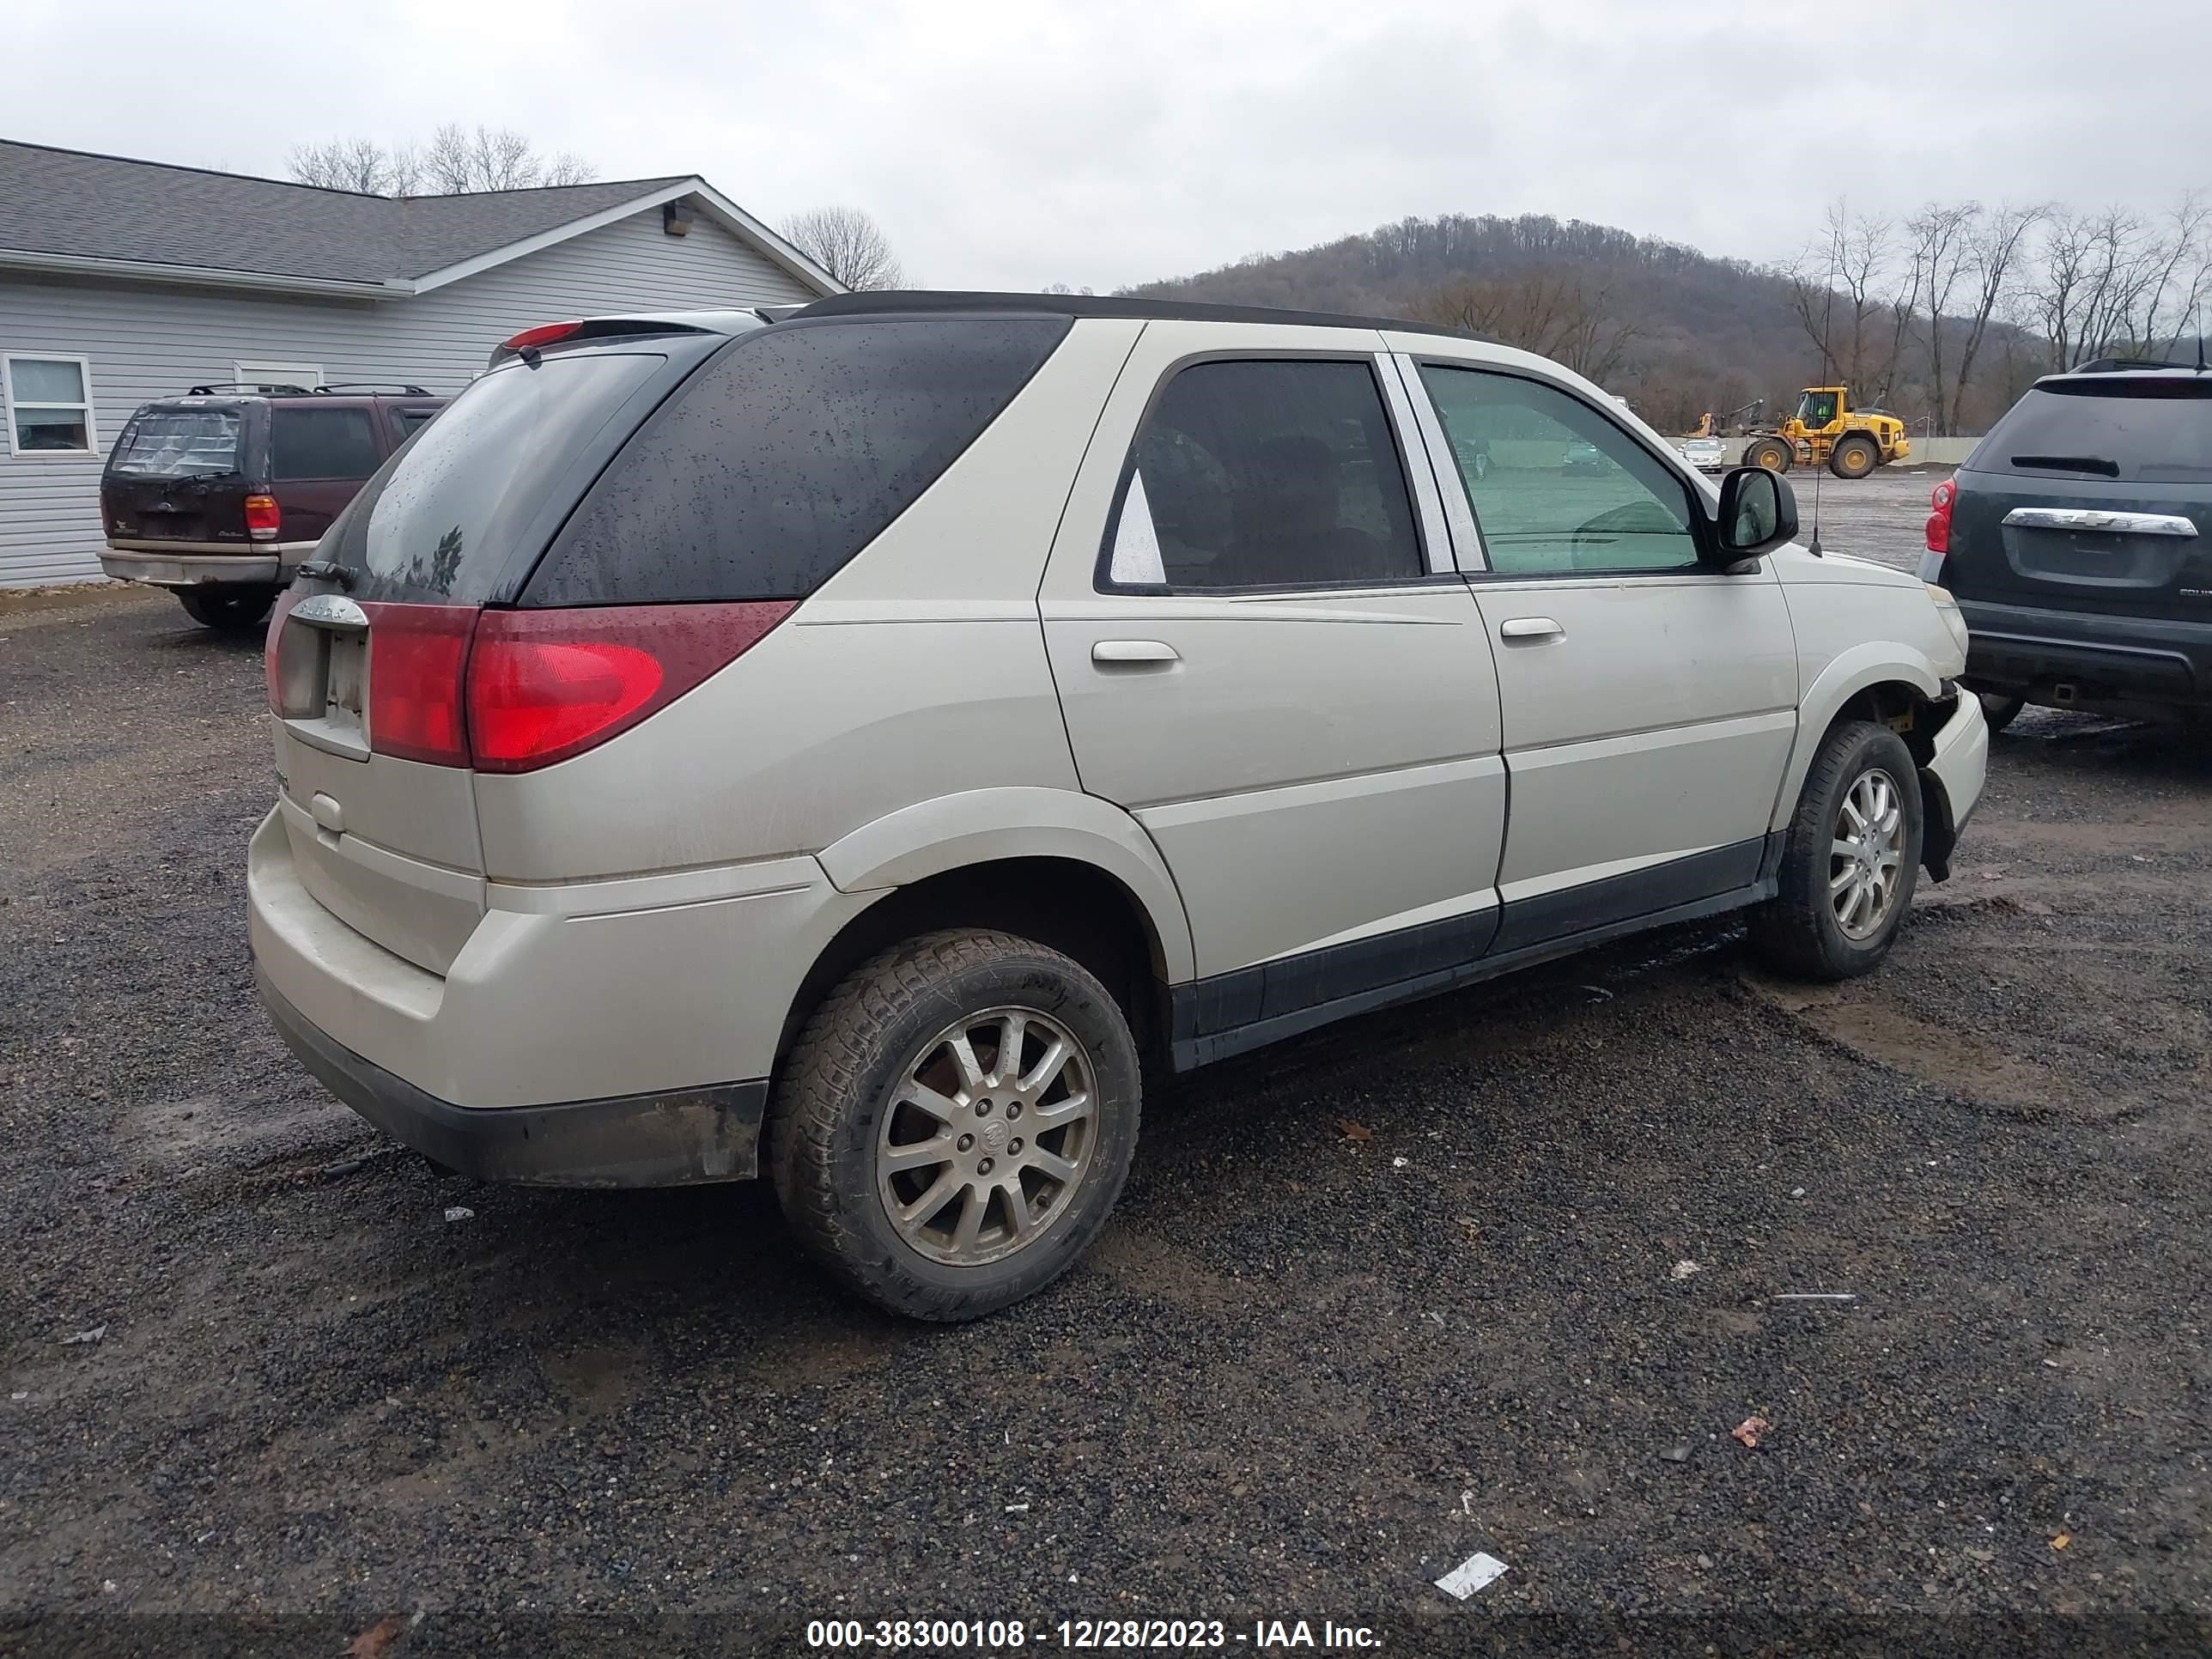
(1711, 425)
(1825, 428)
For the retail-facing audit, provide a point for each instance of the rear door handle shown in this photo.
(1133, 651)
(1530, 628)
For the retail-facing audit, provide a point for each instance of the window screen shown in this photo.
(321, 443)
(1255, 474)
(1555, 487)
(786, 455)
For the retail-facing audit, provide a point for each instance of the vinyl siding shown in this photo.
(146, 342)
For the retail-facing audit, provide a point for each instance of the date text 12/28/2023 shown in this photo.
(1003, 1636)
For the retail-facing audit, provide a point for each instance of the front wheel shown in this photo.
(236, 608)
(1849, 862)
(954, 1124)
(1854, 457)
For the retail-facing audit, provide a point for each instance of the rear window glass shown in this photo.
(178, 443)
(2145, 431)
(785, 456)
(321, 443)
(439, 522)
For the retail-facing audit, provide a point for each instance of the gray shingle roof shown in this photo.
(105, 207)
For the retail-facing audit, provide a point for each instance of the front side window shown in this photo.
(1260, 474)
(49, 405)
(321, 443)
(1557, 488)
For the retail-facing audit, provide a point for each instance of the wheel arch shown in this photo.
(1068, 870)
(1874, 681)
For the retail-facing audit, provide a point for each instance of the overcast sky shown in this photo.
(1101, 144)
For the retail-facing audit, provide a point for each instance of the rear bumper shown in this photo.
(630, 1140)
(188, 564)
(2089, 660)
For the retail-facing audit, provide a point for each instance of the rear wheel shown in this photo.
(1999, 711)
(1855, 457)
(1771, 453)
(229, 609)
(955, 1123)
(1850, 863)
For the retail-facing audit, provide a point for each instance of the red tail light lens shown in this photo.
(263, 518)
(545, 685)
(417, 654)
(1939, 517)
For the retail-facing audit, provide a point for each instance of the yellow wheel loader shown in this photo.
(1827, 431)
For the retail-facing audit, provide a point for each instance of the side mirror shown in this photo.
(1758, 513)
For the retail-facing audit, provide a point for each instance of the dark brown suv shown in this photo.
(220, 493)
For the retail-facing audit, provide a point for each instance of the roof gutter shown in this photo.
(142, 271)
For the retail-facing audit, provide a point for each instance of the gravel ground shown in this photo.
(1410, 1288)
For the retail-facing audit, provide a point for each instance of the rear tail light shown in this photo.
(272, 674)
(416, 655)
(1939, 516)
(263, 518)
(543, 685)
(513, 690)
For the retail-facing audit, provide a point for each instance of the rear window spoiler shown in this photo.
(532, 341)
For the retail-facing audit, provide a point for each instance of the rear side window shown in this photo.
(406, 423)
(786, 455)
(442, 520)
(2146, 431)
(178, 443)
(321, 443)
(1255, 474)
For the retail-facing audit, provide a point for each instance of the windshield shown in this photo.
(1817, 408)
(178, 443)
(2144, 430)
(438, 521)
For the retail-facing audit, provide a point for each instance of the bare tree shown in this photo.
(456, 161)
(847, 244)
(1551, 311)
(361, 165)
(1939, 244)
(1994, 247)
(1839, 290)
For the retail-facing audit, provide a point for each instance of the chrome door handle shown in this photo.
(1530, 628)
(1133, 651)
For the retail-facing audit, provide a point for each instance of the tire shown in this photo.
(1799, 931)
(1854, 456)
(231, 609)
(1770, 453)
(1999, 711)
(837, 1110)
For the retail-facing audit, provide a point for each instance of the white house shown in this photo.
(124, 281)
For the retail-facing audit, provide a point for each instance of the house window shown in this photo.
(278, 376)
(49, 405)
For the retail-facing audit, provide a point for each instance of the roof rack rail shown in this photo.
(256, 387)
(404, 388)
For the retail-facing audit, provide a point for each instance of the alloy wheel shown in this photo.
(1867, 854)
(988, 1135)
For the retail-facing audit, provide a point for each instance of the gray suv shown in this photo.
(860, 745)
(2078, 540)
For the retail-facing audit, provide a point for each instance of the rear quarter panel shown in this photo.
(917, 671)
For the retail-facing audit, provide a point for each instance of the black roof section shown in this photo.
(913, 301)
(78, 204)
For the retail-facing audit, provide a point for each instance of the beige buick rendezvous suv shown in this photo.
(858, 743)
